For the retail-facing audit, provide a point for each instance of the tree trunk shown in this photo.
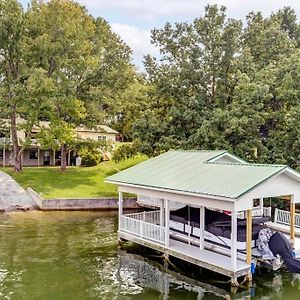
(63, 165)
(17, 151)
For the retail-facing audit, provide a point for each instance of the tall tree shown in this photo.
(88, 64)
(218, 84)
(23, 87)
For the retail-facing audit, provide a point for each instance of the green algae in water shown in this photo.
(74, 255)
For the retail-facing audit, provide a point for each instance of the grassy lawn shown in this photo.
(76, 182)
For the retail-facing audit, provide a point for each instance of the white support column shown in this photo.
(69, 158)
(167, 222)
(292, 218)
(261, 205)
(38, 156)
(202, 226)
(120, 207)
(233, 240)
(4, 155)
(161, 212)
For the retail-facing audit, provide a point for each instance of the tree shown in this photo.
(88, 64)
(218, 85)
(23, 87)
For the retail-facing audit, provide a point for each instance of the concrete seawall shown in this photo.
(81, 204)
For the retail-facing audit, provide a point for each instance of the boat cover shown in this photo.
(279, 244)
(216, 222)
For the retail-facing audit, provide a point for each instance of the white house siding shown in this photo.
(276, 186)
(94, 135)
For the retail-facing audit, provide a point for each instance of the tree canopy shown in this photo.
(221, 84)
(60, 64)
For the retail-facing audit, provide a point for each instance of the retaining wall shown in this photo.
(81, 204)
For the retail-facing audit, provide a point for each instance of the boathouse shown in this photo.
(212, 182)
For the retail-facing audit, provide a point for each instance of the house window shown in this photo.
(101, 138)
(33, 154)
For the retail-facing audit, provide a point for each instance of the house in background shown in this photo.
(34, 156)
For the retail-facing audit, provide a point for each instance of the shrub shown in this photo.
(90, 158)
(125, 151)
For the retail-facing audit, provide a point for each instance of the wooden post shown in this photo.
(261, 205)
(202, 226)
(249, 236)
(233, 240)
(53, 157)
(120, 207)
(167, 222)
(38, 156)
(292, 225)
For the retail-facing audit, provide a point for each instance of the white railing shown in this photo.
(135, 224)
(152, 217)
(268, 211)
(284, 217)
(256, 212)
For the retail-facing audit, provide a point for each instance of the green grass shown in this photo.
(76, 182)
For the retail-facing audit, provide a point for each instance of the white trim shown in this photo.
(226, 154)
(120, 207)
(142, 187)
(192, 199)
(234, 240)
(167, 222)
(202, 227)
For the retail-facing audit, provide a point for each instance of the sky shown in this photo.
(134, 19)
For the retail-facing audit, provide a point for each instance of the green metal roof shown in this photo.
(191, 171)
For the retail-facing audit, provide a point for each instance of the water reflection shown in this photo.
(75, 255)
(136, 269)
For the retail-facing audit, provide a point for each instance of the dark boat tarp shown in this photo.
(216, 222)
(279, 244)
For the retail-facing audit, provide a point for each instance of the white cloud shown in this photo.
(151, 9)
(137, 39)
(133, 19)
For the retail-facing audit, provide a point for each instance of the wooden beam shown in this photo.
(249, 236)
(292, 224)
(233, 240)
(284, 197)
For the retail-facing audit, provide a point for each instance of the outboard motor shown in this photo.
(279, 244)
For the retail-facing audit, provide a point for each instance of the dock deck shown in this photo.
(203, 258)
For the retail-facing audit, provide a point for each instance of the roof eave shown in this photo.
(200, 195)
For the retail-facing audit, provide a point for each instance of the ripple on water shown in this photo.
(74, 255)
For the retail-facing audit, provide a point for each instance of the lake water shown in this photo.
(75, 255)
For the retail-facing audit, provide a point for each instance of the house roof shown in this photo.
(193, 172)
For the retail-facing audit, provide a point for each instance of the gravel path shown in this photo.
(12, 195)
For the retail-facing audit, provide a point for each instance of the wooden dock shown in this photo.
(203, 258)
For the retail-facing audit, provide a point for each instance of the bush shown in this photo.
(90, 158)
(125, 151)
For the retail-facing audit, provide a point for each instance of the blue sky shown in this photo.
(134, 19)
